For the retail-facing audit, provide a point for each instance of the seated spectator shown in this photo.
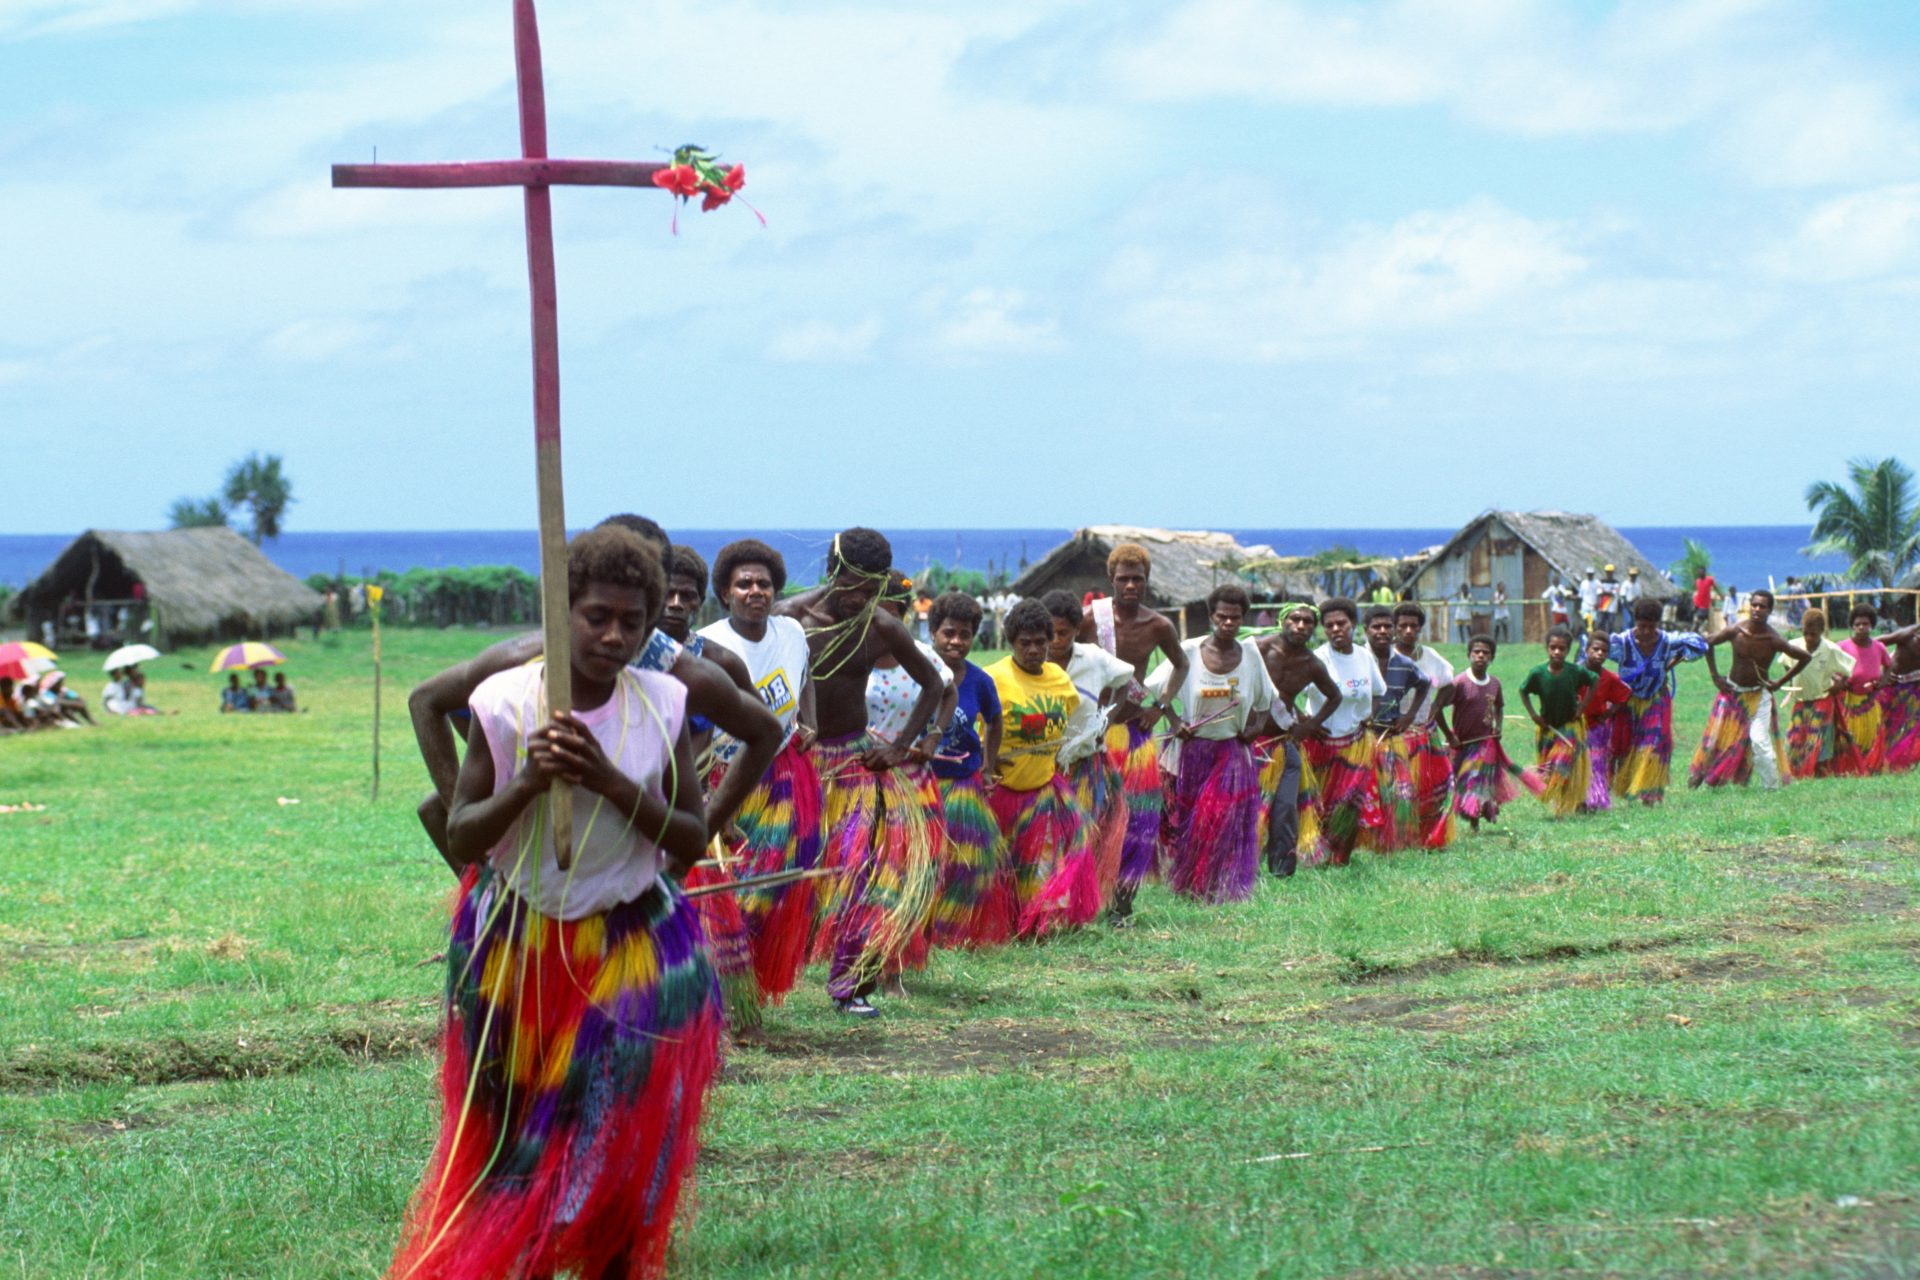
(66, 705)
(121, 695)
(233, 697)
(258, 692)
(141, 707)
(12, 720)
(281, 698)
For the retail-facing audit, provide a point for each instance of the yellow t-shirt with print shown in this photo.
(1033, 717)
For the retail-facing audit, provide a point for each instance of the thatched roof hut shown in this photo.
(191, 584)
(1187, 565)
(1526, 550)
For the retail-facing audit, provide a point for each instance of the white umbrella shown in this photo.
(127, 655)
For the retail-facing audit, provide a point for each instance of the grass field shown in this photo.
(1673, 1042)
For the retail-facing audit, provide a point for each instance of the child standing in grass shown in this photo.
(969, 754)
(1813, 731)
(1860, 747)
(582, 1014)
(1646, 656)
(1483, 776)
(1603, 709)
(1560, 739)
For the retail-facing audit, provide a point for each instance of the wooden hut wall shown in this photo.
(1492, 554)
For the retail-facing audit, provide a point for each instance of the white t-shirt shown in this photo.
(1240, 693)
(1358, 678)
(777, 664)
(120, 697)
(1437, 670)
(1589, 595)
(613, 861)
(892, 693)
(1093, 671)
(1630, 590)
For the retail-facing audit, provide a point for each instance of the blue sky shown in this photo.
(1215, 263)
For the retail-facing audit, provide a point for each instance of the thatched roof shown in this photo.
(200, 582)
(1187, 564)
(1572, 543)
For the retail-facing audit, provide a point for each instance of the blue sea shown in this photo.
(1744, 555)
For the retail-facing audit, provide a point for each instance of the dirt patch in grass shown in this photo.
(998, 1044)
(1726, 966)
(214, 1056)
(1407, 1012)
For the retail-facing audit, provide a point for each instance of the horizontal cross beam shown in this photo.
(500, 173)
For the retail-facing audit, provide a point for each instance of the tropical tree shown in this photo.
(1873, 520)
(259, 484)
(196, 513)
(1694, 562)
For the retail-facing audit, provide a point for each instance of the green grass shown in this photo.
(1673, 1042)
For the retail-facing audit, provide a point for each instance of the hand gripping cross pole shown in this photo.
(536, 173)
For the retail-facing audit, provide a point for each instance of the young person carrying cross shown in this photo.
(1124, 626)
(880, 842)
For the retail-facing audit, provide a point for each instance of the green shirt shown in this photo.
(1558, 694)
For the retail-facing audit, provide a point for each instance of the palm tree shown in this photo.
(196, 513)
(1875, 524)
(1695, 560)
(258, 484)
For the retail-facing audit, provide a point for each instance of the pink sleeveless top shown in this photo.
(613, 862)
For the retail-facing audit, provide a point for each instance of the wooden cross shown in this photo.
(536, 173)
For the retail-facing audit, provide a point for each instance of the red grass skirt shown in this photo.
(1050, 880)
(1102, 805)
(1433, 787)
(783, 828)
(1900, 712)
(577, 1060)
(1725, 755)
(724, 927)
(1347, 795)
(1213, 849)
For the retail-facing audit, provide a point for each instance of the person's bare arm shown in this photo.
(1315, 725)
(731, 663)
(677, 822)
(1176, 678)
(896, 641)
(1798, 656)
(1405, 721)
(439, 696)
(806, 724)
(739, 714)
(929, 742)
(991, 769)
(1724, 635)
(479, 816)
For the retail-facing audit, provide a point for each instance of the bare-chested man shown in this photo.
(711, 693)
(1743, 732)
(1292, 667)
(1900, 699)
(1127, 628)
(877, 838)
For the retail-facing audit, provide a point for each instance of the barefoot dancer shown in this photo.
(968, 755)
(1813, 738)
(1608, 727)
(1560, 737)
(1102, 681)
(1342, 760)
(1432, 763)
(1393, 715)
(781, 825)
(1126, 628)
(1213, 849)
(1483, 776)
(1646, 656)
(1743, 738)
(879, 839)
(582, 1016)
(1292, 668)
(1862, 747)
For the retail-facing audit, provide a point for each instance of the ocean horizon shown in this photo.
(1743, 555)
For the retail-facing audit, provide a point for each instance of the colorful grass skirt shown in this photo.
(1213, 844)
(975, 856)
(1136, 758)
(783, 828)
(884, 848)
(1727, 751)
(1640, 772)
(1565, 770)
(1399, 808)
(1813, 737)
(578, 1055)
(1347, 795)
(1432, 767)
(1101, 802)
(1483, 780)
(1900, 712)
(1050, 880)
(1859, 746)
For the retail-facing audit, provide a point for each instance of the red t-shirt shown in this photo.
(1602, 696)
(1703, 591)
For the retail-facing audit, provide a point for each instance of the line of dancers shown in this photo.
(803, 781)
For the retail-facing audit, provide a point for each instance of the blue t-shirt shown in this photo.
(1402, 678)
(976, 702)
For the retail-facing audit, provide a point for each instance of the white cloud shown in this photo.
(316, 341)
(988, 321)
(1864, 235)
(1428, 272)
(822, 342)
